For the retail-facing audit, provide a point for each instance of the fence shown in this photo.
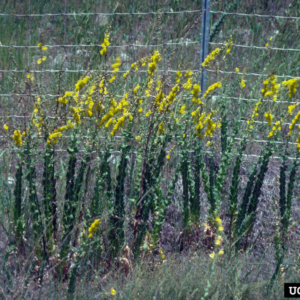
(188, 41)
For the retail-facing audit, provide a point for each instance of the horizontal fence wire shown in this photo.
(101, 14)
(150, 45)
(147, 13)
(175, 151)
(144, 96)
(238, 139)
(146, 71)
(186, 43)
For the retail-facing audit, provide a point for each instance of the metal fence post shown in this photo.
(204, 41)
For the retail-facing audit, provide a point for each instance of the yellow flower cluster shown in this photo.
(41, 60)
(149, 85)
(161, 128)
(162, 256)
(168, 155)
(167, 101)
(148, 113)
(140, 109)
(212, 255)
(242, 83)
(202, 120)
(270, 41)
(113, 292)
(57, 133)
(218, 223)
(89, 102)
(159, 85)
(254, 114)
(211, 126)
(220, 228)
(292, 84)
(159, 98)
(136, 65)
(275, 128)
(30, 77)
(64, 98)
(212, 88)
(229, 45)
(269, 118)
(271, 87)
(189, 77)
(182, 109)
(102, 86)
(43, 48)
(105, 44)
(155, 58)
(178, 76)
(17, 137)
(195, 92)
(114, 109)
(219, 240)
(295, 120)
(76, 114)
(135, 90)
(81, 83)
(93, 228)
(121, 120)
(116, 68)
(291, 108)
(210, 57)
(35, 112)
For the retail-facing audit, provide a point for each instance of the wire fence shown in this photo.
(182, 41)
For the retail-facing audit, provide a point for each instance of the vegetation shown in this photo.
(127, 172)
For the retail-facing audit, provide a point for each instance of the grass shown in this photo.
(165, 199)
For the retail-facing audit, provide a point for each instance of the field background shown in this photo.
(73, 34)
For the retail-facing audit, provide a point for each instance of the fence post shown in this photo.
(204, 41)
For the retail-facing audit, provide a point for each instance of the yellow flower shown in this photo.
(242, 84)
(44, 48)
(5, 127)
(237, 70)
(44, 58)
(212, 255)
(221, 228)
(168, 156)
(218, 220)
(138, 138)
(183, 135)
(208, 143)
(40, 44)
(39, 61)
(113, 292)
(218, 242)
(28, 76)
(221, 252)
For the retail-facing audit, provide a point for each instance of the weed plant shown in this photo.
(97, 167)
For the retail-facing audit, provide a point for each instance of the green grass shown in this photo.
(151, 194)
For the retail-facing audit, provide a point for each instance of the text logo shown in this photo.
(292, 290)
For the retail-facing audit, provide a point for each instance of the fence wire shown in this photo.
(182, 43)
